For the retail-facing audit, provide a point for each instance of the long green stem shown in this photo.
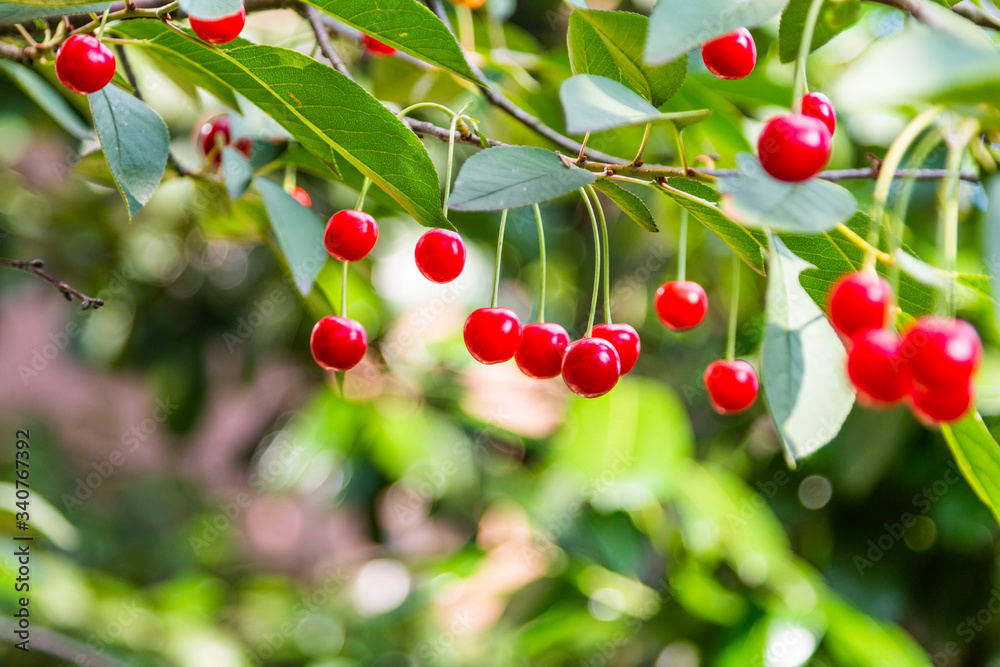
(455, 119)
(949, 190)
(343, 291)
(290, 175)
(642, 146)
(496, 267)
(605, 254)
(597, 262)
(104, 22)
(360, 206)
(734, 310)
(681, 153)
(582, 157)
(805, 46)
(466, 28)
(542, 260)
(682, 247)
(426, 105)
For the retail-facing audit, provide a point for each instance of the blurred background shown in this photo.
(204, 495)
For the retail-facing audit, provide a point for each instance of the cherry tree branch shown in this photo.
(323, 40)
(919, 9)
(35, 266)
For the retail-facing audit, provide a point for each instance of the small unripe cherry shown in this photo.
(350, 235)
(591, 367)
(859, 301)
(222, 30)
(942, 405)
(819, 106)
(942, 352)
(375, 47)
(301, 196)
(731, 56)
(492, 335)
(877, 369)
(543, 346)
(681, 304)
(84, 65)
(625, 340)
(337, 343)
(440, 255)
(793, 147)
(732, 385)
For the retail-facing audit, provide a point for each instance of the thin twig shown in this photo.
(920, 10)
(68, 291)
(323, 40)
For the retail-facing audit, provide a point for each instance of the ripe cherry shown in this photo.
(859, 301)
(819, 106)
(591, 367)
(876, 368)
(732, 385)
(942, 352)
(337, 343)
(375, 47)
(681, 304)
(217, 130)
(220, 31)
(301, 196)
(626, 342)
(440, 255)
(542, 349)
(84, 65)
(350, 235)
(794, 147)
(938, 405)
(492, 335)
(731, 56)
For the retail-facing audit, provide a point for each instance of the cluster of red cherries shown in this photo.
(793, 147)
(931, 365)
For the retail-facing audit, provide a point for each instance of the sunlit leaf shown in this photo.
(595, 103)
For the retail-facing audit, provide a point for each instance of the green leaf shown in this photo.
(857, 640)
(325, 111)
(298, 231)
(135, 142)
(45, 518)
(630, 204)
(978, 457)
(208, 10)
(921, 271)
(53, 3)
(46, 97)
(753, 198)
(20, 13)
(595, 103)
(803, 361)
(236, 172)
(406, 25)
(991, 239)
(835, 17)
(609, 44)
(513, 176)
(678, 26)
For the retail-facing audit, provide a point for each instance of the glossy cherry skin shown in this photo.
(819, 106)
(84, 65)
(591, 367)
(218, 129)
(626, 342)
(375, 47)
(681, 304)
(942, 405)
(876, 368)
(731, 56)
(492, 335)
(732, 386)
(543, 346)
(440, 255)
(337, 343)
(858, 302)
(794, 147)
(220, 31)
(301, 196)
(350, 235)
(942, 352)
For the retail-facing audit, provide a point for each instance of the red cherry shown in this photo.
(220, 31)
(942, 404)
(301, 196)
(732, 386)
(492, 335)
(440, 255)
(84, 65)
(337, 343)
(794, 147)
(626, 342)
(375, 47)
(591, 367)
(731, 56)
(859, 301)
(876, 368)
(942, 352)
(350, 235)
(543, 347)
(819, 106)
(681, 304)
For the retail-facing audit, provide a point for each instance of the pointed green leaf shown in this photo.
(53, 3)
(978, 457)
(835, 17)
(679, 26)
(24, 13)
(46, 97)
(630, 204)
(298, 231)
(595, 103)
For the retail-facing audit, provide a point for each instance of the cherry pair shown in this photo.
(796, 146)
(215, 134)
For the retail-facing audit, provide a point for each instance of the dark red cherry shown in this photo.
(337, 343)
(681, 304)
(731, 56)
(542, 349)
(858, 302)
(626, 342)
(732, 385)
(220, 31)
(440, 255)
(84, 65)
(375, 47)
(301, 196)
(492, 335)
(350, 235)
(819, 106)
(942, 405)
(942, 352)
(876, 368)
(591, 367)
(794, 147)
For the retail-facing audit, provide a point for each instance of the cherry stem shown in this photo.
(425, 105)
(104, 22)
(496, 267)
(605, 253)
(642, 146)
(582, 157)
(597, 263)
(466, 28)
(360, 206)
(343, 291)
(949, 191)
(290, 174)
(681, 153)
(682, 247)
(734, 310)
(541, 255)
(455, 118)
(801, 86)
